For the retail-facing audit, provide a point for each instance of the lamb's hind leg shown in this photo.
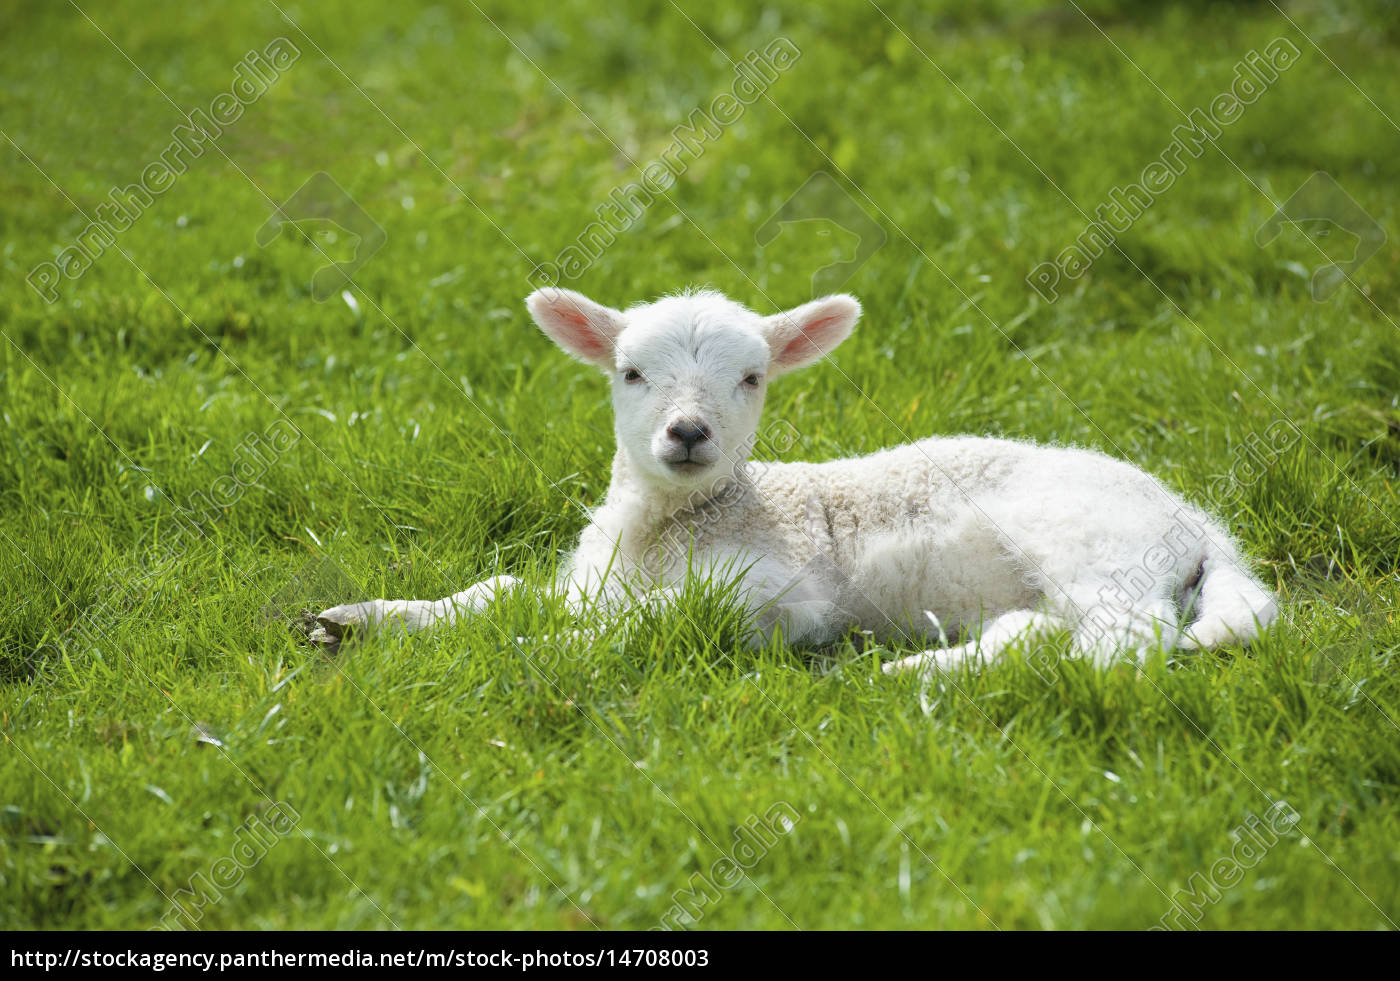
(413, 615)
(995, 637)
(1113, 624)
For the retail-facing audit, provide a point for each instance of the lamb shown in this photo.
(923, 540)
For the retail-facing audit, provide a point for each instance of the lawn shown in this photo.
(208, 430)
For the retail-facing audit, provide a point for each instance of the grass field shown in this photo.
(196, 448)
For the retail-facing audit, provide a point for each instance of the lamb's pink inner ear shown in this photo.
(579, 334)
(811, 343)
(806, 334)
(585, 329)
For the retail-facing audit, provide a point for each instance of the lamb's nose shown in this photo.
(689, 432)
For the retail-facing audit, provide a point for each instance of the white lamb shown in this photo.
(925, 539)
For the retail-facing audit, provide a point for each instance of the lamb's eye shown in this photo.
(751, 381)
(631, 376)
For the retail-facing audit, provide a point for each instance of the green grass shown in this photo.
(453, 780)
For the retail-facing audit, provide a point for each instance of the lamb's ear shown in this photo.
(802, 335)
(585, 329)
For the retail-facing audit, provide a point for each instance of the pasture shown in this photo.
(208, 428)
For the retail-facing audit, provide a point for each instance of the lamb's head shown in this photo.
(689, 372)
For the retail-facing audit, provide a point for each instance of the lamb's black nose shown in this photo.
(689, 433)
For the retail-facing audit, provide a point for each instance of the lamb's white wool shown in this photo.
(961, 532)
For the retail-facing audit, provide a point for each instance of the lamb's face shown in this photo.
(688, 384)
(689, 372)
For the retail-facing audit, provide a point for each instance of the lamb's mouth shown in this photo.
(687, 466)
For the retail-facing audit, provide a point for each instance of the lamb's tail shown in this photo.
(1230, 605)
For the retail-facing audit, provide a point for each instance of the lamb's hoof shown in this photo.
(340, 621)
(324, 639)
(311, 629)
(925, 665)
(903, 664)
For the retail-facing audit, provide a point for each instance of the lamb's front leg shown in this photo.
(412, 615)
(804, 605)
